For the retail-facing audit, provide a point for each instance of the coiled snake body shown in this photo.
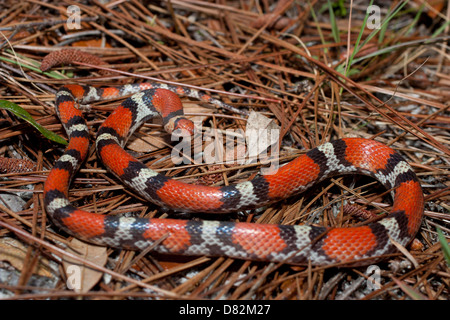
(266, 242)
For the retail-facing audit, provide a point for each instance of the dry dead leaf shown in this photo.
(149, 142)
(260, 133)
(193, 108)
(14, 252)
(82, 278)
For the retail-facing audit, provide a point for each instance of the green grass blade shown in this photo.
(441, 29)
(334, 26)
(383, 25)
(356, 47)
(415, 20)
(316, 21)
(23, 114)
(34, 66)
(444, 244)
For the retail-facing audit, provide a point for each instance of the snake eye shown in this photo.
(183, 127)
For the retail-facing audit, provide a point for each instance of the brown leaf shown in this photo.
(80, 277)
(149, 143)
(261, 132)
(14, 252)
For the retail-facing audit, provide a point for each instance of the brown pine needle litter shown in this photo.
(313, 72)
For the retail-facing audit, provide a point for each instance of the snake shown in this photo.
(283, 243)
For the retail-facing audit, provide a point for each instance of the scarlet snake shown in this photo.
(280, 243)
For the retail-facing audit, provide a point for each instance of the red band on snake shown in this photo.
(300, 244)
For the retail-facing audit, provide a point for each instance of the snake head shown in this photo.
(180, 127)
